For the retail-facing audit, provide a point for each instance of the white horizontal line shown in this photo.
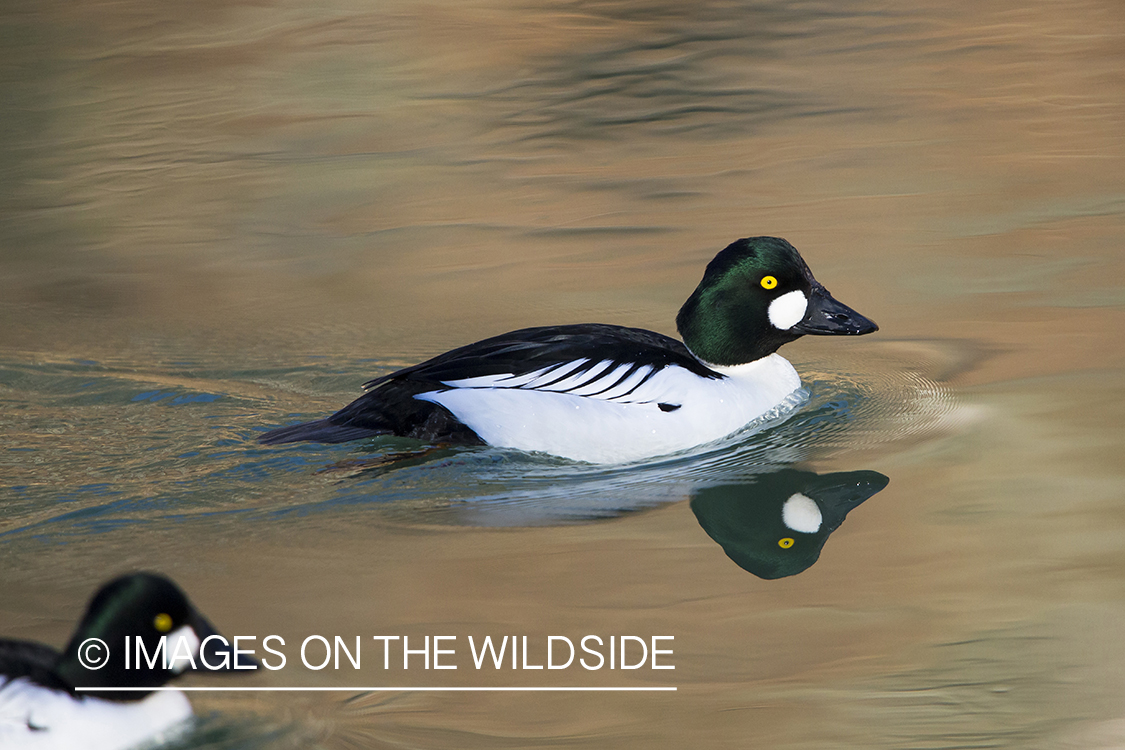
(378, 689)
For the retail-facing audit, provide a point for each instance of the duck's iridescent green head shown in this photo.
(756, 295)
(167, 635)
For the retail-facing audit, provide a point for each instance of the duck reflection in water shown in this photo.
(776, 524)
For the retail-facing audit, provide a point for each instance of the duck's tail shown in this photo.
(319, 431)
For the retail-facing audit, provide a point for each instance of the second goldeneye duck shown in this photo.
(608, 394)
(39, 706)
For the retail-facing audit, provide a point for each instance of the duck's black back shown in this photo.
(34, 661)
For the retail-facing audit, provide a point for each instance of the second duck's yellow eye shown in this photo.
(785, 543)
(162, 622)
(769, 282)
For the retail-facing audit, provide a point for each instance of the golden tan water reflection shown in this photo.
(240, 187)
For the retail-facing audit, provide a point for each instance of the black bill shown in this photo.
(827, 317)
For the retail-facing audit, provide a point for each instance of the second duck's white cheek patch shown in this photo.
(183, 647)
(801, 513)
(788, 310)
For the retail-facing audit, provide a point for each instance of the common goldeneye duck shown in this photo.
(608, 394)
(39, 706)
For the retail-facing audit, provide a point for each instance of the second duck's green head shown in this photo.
(756, 295)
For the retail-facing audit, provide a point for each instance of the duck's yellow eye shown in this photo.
(769, 282)
(162, 622)
(785, 543)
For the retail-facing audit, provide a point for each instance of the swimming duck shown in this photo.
(39, 706)
(610, 394)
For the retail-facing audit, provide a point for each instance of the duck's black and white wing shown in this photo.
(597, 361)
(39, 710)
(603, 363)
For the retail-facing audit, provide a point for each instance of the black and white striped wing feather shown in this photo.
(606, 380)
(610, 363)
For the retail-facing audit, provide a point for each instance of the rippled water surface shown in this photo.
(218, 218)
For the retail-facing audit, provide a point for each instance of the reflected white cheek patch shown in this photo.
(801, 513)
(788, 310)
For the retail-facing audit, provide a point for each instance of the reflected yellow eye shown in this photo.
(769, 282)
(162, 622)
(785, 543)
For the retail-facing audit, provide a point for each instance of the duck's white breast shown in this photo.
(602, 428)
(33, 717)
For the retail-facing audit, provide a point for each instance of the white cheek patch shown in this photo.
(788, 310)
(801, 513)
(183, 647)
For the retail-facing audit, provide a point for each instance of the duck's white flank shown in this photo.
(33, 717)
(602, 422)
(185, 649)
